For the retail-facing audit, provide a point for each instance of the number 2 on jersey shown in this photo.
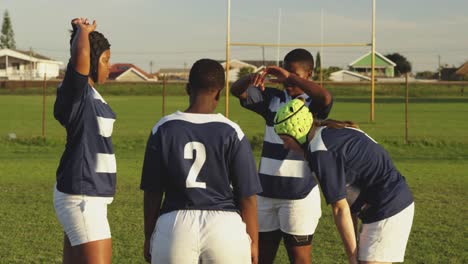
(200, 158)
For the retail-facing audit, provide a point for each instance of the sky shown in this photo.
(176, 33)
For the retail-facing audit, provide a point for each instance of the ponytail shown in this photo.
(331, 123)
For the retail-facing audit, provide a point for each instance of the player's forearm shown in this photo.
(80, 52)
(311, 88)
(248, 208)
(355, 223)
(344, 224)
(239, 88)
(152, 205)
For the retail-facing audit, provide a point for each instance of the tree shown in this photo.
(427, 75)
(318, 66)
(7, 39)
(402, 64)
(244, 71)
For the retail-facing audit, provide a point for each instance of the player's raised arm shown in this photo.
(321, 95)
(80, 48)
(239, 88)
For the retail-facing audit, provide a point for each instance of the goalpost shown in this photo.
(371, 44)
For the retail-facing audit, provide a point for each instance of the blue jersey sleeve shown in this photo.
(258, 101)
(320, 111)
(329, 169)
(70, 91)
(243, 172)
(152, 176)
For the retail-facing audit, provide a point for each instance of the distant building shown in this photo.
(347, 76)
(235, 66)
(259, 63)
(383, 66)
(174, 73)
(127, 72)
(449, 74)
(462, 72)
(27, 65)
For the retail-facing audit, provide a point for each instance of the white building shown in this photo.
(234, 68)
(347, 76)
(26, 65)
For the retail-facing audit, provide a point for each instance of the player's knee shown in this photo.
(297, 240)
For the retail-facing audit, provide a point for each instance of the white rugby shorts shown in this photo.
(84, 218)
(294, 217)
(200, 236)
(385, 240)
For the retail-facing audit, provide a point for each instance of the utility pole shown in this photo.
(263, 55)
(151, 67)
(31, 62)
(439, 70)
(279, 37)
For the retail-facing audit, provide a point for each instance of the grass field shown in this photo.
(435, 163)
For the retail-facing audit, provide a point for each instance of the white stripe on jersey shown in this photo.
(98, 96)
(357, 129)
(316, 143)
(271, 136)
(284, 168)
(105, 163)
(199, 119)
(275, 104)
(106, 126)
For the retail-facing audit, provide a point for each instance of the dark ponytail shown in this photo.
(331, 123)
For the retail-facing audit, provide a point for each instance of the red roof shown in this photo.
(118, 68)
(463, 70)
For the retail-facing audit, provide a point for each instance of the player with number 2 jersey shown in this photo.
(203, 164)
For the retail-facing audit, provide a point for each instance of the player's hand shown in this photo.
(258, 79)
(83, 24)
(353, 260)
(280, 73)
(147, 251)
(254, 253)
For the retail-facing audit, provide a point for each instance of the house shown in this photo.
(462, 72)
(27, 65)
(127, 72)
(449, 74)
(235, 66)
(259, 63)
(383, 66)
(454, 74)
(174, 73)
(347, 76)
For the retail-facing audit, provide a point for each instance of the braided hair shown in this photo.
(98, 44)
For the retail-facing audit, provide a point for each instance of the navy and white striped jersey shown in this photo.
(88, 163)
(283, 174)
(200, 161)
(349, 164)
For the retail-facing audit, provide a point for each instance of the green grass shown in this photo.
(434, 163)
